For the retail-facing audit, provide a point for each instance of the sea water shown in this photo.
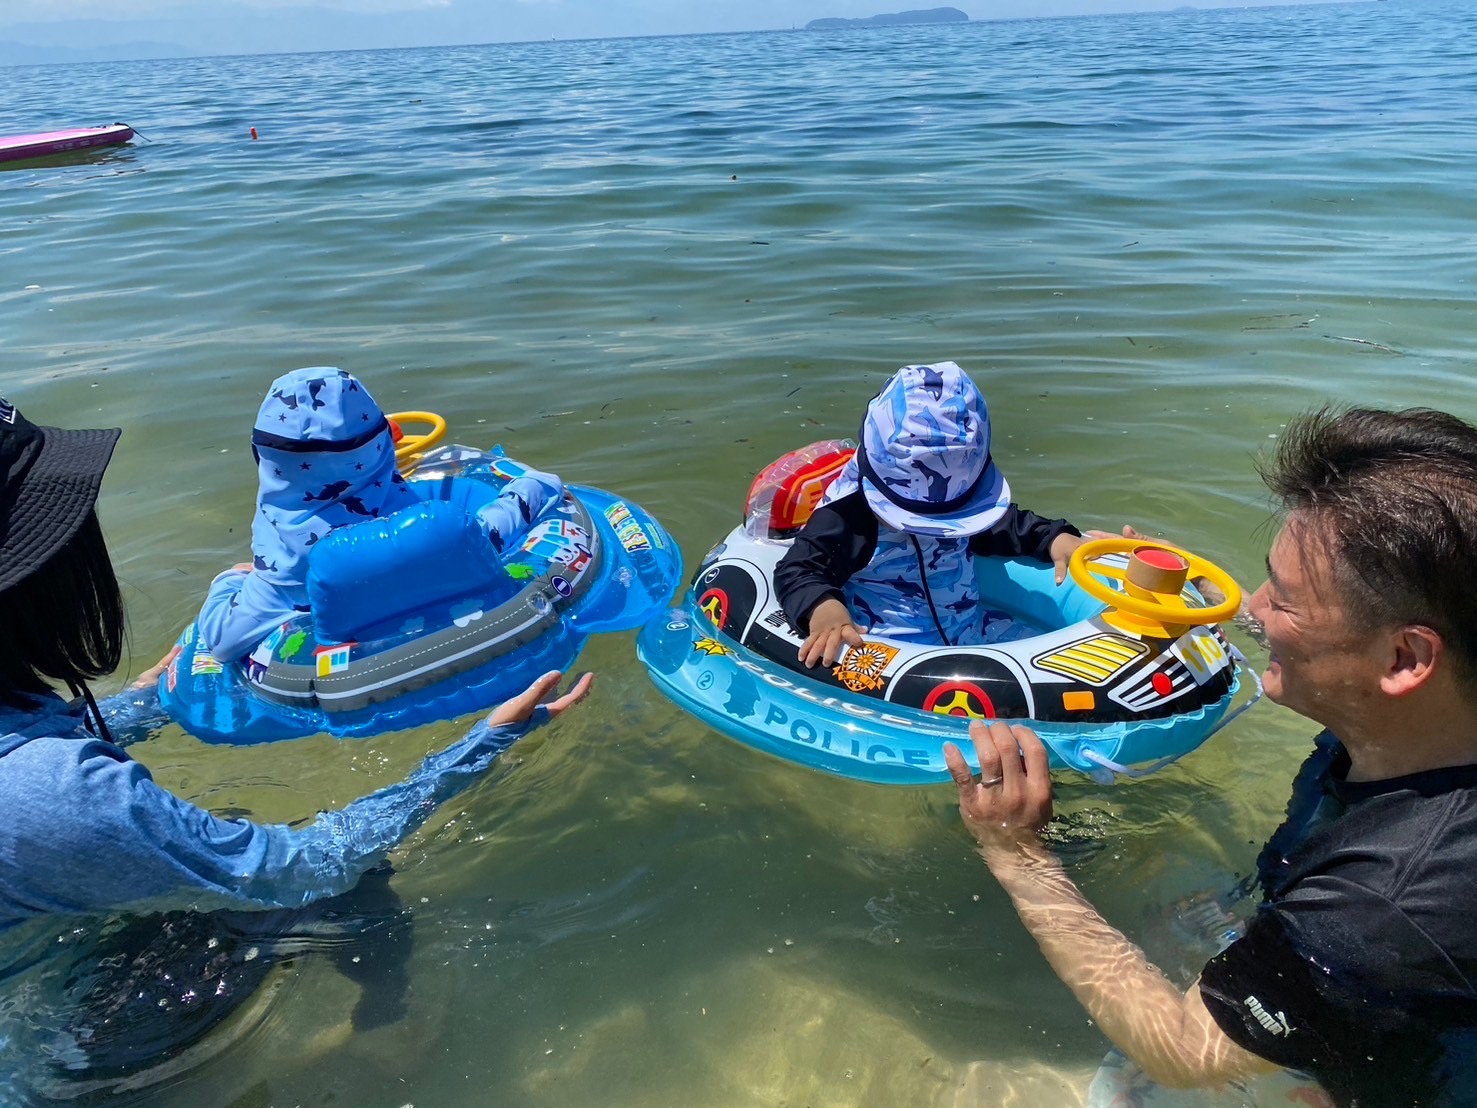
(654, 265)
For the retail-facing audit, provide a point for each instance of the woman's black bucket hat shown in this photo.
(51, 478)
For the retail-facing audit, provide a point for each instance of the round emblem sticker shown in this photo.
(959, 698)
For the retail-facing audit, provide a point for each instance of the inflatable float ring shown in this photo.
(1152, 580)
(1110, 692)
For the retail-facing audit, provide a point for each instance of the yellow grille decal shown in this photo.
(1094, 661)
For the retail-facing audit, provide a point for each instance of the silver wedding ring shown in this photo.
(988, 781)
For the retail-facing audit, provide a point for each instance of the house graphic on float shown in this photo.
(333, 659)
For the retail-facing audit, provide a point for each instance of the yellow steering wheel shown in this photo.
(1152, 580)
(409, 448)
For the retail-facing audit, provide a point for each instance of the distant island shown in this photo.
(930, 15)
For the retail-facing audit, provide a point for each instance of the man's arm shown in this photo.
(1169, 1034)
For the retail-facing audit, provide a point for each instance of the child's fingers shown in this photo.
(811, 650)
(830, 645)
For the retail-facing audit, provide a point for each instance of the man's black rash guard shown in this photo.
(1359, 965)
(840, 538)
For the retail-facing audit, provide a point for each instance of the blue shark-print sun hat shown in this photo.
(325, 459)
(924, 460)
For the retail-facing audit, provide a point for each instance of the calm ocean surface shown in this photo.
(654, 265)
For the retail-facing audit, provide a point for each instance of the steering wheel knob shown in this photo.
(1156, 571)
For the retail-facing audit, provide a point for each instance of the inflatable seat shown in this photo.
(367, 580)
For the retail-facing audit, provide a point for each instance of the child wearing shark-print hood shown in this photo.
(325, 459)
(889, 550)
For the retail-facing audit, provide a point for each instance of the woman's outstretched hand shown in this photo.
(150, 677)
(518, 709)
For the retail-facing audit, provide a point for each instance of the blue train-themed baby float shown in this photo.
(415, 619)
(1121, 669)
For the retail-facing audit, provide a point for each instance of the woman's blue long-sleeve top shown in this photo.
(86, 829)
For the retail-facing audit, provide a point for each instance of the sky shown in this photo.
(61, 30)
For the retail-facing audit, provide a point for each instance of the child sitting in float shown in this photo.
(889, 550)
(325, 458)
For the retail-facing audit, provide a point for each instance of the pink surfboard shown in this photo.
(16, 147)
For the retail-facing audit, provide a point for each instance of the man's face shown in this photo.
(1320, 666)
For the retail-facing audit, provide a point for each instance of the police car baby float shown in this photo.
(1121, 669)
(415, 618)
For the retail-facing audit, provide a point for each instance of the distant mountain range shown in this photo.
(927, 15)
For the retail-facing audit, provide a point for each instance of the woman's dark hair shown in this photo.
(64, 621)
(1394, 497)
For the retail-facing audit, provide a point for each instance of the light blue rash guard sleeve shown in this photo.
(520, 503)
(86, 829)
(240, 608)
(133, 714)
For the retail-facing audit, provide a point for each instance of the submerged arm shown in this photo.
(97, 833)
(1169, 1034)
(134, 713)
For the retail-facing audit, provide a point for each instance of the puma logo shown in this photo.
(1277, 1025)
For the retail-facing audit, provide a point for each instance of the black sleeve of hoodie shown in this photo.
(1020, 533)
(837, 541)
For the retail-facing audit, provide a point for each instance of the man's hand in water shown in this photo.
(830, 629)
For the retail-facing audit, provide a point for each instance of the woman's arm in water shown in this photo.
(97, 833)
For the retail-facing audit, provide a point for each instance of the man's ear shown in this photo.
(1416, 653)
